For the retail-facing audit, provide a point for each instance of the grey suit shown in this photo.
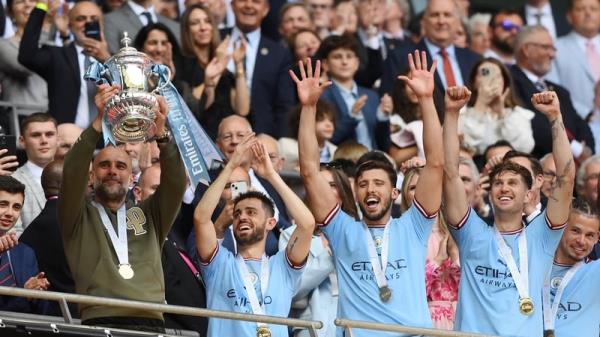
(35, 200)
(572, 71)
(125, 20)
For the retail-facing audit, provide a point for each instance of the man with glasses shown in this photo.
(549, 172)
(587, 180)
(534, 52)
(504, 27)
(321, 12)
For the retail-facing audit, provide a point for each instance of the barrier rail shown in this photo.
(348, 325)
(20, 109)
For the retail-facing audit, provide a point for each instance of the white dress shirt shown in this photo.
(35, 170)
(138, 10)
(253, 40)
(434, 51)
(546, 18)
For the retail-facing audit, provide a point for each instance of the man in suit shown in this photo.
(71, 98)
(18, 266)
(43, 236)
(130, 18)
(542, 12)
(265, 67)
(534, 52)
(582, 45)
(439, 23)
(183, 283)
(38, 138)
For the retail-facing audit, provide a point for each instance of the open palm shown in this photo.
(420, 79)
(308, 87)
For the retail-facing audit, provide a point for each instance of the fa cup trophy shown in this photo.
(130, 113)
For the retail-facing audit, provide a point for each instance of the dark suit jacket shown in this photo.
(558, 14)
(182, 287)
(43, 236)
(2, 19)
(397, 64)
(576, 127)
(24, 266)
(371, 60)
(345, 125)
(57, 65)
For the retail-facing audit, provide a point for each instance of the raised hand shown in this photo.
(221, 50)
(214, 70)
(308, 87)
(547, 103)
(419, 78)
(456, 98)
(239, 52)
(104, 93)
(262, 163)
(239, 155)
(386, 104)
(161, 115)
(359, 104)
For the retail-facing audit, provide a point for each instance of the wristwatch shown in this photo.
(164, 138)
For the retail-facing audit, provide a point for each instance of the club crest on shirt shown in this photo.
(555, 282)
(378, 241)
(252, 277)
(136, 219)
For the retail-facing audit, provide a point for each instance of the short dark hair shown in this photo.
(334, 42)
(374, 160)
(37, 117)
(11, 185)
(503, 12)
(512, 167)
(52, 178)
(267, 203)
(581, 206)
(536, 166)
(499, 143)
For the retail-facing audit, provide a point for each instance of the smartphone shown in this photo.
(238, 188)
(488, 75)
(92, 30)
(10, 143)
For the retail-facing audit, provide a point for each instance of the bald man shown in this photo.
(71, 98)
(67, 136)
(112, 245)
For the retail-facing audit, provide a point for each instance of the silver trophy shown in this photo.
(130, 113)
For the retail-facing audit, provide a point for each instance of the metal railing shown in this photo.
(20, 109)
(348, 325)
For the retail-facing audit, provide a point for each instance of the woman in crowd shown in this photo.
(19, 84)
(492, 113)
(304, 44)
(442, 269)
(317, 294)
(157, 41)
(345, 18)
(211, 91)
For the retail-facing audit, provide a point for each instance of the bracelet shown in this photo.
(240, 73)
(43, 6)
(210, 85)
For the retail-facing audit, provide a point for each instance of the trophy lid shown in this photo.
(128, 52)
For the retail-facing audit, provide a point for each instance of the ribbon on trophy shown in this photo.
(198, 152)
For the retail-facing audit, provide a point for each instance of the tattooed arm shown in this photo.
(559, 201)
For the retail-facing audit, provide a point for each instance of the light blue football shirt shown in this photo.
(488, 301)
(579, 310)
(405, 273)
(225, 291)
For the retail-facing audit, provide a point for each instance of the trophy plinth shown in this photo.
(130, 113)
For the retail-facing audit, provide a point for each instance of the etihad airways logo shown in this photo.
(496, 277)
(364, 270)
(244, 302)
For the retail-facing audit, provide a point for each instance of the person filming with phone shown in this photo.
(70, 97)
(492, 113)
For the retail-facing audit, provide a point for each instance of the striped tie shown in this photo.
(6, 277)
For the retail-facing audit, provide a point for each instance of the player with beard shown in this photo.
(113, 247)
(393, 294)
(570, 296)
(249, 282)
(504, 265)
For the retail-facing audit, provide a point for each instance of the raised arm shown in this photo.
(429, 187)
(455, 198)
(559, 201)
(322, 200)
(206, 236)
(299, 243)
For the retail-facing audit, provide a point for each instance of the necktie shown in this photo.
(541, 86)
(538, 18)
(6, 276)
(148, 17)
(91, 91)
(593, 59)
(448, 73)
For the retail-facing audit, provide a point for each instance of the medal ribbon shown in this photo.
(264, 284)
(378, 270)
(520, 275)
(118, 242)
(550, 310)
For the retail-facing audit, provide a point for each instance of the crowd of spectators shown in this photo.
(421, 163)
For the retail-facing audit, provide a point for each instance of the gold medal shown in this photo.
(263, 331)
(526, 306)
(126, 271)
(385, 293)
(548, 333)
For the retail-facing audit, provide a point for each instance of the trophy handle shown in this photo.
(166, 83)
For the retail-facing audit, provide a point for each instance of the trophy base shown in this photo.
(131, 116)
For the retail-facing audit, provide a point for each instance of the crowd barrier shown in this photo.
(69, 327)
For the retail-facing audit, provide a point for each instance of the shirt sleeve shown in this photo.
(292, 272)
(546, 233)
(210, 269)
(336, 226)
(470, 226)
(422, 222)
